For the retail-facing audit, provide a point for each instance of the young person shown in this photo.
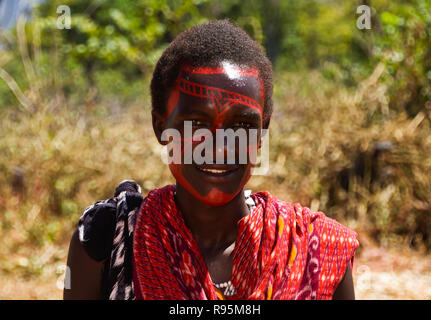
(205, 237)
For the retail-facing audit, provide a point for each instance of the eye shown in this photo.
(198, 123)
(242, 124)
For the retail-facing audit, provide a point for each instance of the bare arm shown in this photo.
(85, 273)
(345, 290)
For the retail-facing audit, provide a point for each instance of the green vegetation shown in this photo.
(350, 135)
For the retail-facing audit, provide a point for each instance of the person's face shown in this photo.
(215, 98)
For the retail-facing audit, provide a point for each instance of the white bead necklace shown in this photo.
(229, 289)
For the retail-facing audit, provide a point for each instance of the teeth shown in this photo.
(214, 170)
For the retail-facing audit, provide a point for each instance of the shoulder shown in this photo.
(334, 238)
(309, 223)
(331, 232)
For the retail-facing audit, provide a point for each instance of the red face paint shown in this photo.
(225, 96)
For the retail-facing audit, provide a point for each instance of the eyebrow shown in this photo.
(197, 112)
(250, 115)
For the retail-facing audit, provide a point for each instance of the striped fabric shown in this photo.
(282, 251)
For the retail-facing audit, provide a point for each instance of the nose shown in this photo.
(222, 153)
(229, 148)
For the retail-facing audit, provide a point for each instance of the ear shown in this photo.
(159, 125)
(260, 142)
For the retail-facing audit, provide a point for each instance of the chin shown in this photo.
(217, 198)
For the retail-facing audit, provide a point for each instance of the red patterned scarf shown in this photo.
(279, 253)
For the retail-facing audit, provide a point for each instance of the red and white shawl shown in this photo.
(282, 251)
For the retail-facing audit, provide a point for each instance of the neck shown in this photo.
(214, 228)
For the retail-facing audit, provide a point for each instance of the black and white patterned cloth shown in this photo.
(106, 233)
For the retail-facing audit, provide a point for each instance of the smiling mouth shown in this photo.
(218, 172)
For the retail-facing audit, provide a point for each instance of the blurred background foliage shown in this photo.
(120, 41)
(350, 134)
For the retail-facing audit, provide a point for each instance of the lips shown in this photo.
(218, 170)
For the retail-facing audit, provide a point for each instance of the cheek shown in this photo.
(252, 150)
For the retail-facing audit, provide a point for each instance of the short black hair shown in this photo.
(207, 45)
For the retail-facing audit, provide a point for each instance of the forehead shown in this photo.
(228, 78)
(220, 88)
